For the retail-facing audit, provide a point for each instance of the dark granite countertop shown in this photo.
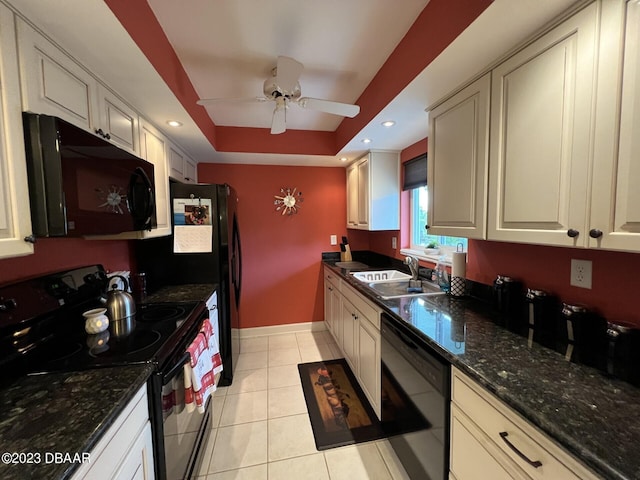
(594, 417)
(61, 412)
(182, 293)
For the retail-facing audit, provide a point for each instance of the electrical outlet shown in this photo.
(334, 239)
(394, 242)
(581, 273)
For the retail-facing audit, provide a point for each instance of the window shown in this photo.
(420, 237)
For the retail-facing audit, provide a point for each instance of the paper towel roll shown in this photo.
(459, 264)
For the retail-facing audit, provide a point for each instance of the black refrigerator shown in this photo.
(203, 248)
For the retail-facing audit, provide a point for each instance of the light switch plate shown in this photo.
(394, 242)
(334, 239)
(581, 273)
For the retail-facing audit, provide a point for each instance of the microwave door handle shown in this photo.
(176, 368)
(149, 200)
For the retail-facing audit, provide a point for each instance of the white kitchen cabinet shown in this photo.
(125, 451)
(373, 192)
(53, 83)
(369, 362)
(615, 197)
(181, 166)
(154, 148)
(488, 436)
(118, 120)
(458, 163)
(333, 305)
(542, 135)
(361, 342)
(15, 217)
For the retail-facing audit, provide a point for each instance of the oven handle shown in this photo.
(177, 368)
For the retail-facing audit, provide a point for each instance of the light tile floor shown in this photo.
(261, 430)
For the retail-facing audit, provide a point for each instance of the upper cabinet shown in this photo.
(15, 217)
(458, 162)
(615, 199)
(55, 84)
(181, 166)
(542, 136)
(373, 192)
(154, 148)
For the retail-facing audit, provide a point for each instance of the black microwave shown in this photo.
(80, 184)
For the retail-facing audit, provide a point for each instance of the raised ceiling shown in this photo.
(392, 58)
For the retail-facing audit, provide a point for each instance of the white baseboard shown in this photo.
(281, 329)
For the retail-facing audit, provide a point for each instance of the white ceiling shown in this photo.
(228, 48)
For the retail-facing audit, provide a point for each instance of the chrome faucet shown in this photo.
(412, 262)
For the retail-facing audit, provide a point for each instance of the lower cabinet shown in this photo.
(125, 452)
(355, 326)
(488, 437)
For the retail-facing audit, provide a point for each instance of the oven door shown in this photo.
(185, 433)
(412, 373)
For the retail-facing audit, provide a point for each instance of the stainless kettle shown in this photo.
(120, 303)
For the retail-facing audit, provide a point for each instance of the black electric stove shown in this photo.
(42, 327)
(42, 330)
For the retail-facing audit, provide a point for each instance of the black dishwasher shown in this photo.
(411, 370)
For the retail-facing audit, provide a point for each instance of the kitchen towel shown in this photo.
(458, 273)
(199, 370)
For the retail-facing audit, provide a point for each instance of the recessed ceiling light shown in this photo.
(174, 123)
(343, 159)
(388, 123)
(366, 140)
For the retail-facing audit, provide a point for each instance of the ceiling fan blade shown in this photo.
(327, 106)
(211, 101)
(288, 71)
(279, 121)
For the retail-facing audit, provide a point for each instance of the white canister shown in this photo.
(95, 321)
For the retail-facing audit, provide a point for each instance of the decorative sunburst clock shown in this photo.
(288, 201)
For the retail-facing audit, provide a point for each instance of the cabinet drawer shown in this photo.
(332, 278)
(503, 426)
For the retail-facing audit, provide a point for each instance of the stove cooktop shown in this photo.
(42, 327)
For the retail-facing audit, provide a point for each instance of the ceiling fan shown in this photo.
(283, 88)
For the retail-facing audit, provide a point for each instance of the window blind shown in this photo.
(415, 172)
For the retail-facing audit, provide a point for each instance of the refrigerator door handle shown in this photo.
(236, 274)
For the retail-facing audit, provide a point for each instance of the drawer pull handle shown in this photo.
(533, 463)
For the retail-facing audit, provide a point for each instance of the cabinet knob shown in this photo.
(595, 233)
(573, 233)
(426, 227)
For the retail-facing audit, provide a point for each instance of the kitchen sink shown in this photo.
(381, 276)
(399, 289)
(388, 284)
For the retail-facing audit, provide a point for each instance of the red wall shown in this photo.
(56, 254)
(281, 255)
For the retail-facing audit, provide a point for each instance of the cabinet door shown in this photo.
(153, 148)
(118, 120)
(363, 193)
(328, 306)
(541, 136)
(190, 170)
(349, 334)
(15, 217)
(352, 196)
(369, 362)
(615, 208)
(458, 163)
(52, 82)
(176, 163)
(138, 464)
